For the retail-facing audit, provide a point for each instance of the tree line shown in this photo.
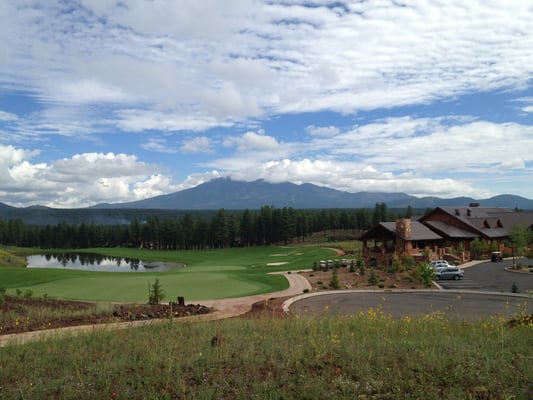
(266, 226)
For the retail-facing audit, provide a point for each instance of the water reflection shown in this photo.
(98, 262)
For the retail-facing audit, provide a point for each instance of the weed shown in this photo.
(372, 278)
(368, 355)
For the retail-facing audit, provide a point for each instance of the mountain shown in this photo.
(6, 207)
(230, 194)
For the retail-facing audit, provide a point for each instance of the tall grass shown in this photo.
(367, 356)
(48, 314)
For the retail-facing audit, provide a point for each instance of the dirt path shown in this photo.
(224, 308)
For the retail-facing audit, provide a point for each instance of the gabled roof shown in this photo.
(450, 231)
(491, 222)
(388, 229)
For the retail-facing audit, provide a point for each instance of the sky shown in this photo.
(116, 101)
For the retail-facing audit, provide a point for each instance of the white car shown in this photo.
(440, 264)
(454, 273)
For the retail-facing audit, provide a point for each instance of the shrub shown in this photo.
(28, 293)
(372, 278)
(361, 265)
(514, 288)
(426, 274)
(155, 292)
(335, 283)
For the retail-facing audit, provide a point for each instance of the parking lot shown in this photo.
(484, 292)
(492, 277)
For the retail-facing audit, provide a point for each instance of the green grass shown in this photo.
(210, 274)
(367, 356)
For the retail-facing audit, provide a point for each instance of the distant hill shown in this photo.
(205, 199)
(237, 195)
(6, 207)
(230, 194)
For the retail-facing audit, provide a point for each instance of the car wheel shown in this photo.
(437, 278)
(456, 277)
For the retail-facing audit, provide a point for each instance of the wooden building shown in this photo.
(444, 233)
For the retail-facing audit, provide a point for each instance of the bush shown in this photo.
(372, 278)
(155, 292)
(426, 273)
(335, 283)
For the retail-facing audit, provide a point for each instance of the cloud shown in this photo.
(141, 120)
(157, 66)
(352, 177)
(88, 91)
(82, 180)
(200, 144)
(7, 116)
(322, 130)
(252, 141)
(158, 145)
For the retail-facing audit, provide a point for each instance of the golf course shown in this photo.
(209, 274)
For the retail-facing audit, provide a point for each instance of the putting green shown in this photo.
(209, 275)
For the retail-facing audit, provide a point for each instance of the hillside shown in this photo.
(230, 194)
(234, 195)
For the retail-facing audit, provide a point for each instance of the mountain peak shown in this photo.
(231, 194)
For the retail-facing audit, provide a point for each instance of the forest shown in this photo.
(222, 229)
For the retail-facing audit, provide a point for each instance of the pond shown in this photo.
(98, 262)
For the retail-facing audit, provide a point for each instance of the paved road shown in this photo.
(492, 277)
(456, 305)
(485, 291)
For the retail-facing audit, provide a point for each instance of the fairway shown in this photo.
(209, 275)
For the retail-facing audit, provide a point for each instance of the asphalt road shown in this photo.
(484, 292)
(492, 277)
(456, 305)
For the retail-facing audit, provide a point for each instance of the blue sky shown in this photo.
(113, 101)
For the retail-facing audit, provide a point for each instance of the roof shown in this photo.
(491, 222)
(450, 231)
(418, 231)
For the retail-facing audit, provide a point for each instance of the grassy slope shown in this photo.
(367, 356)
(212, 274)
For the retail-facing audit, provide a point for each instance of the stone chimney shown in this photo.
(403, 228)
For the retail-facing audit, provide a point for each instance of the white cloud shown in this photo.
(81, 180)
(141, 120)
(93, 67)
(352, 177)
(155, 185)
(158, 145)
(252, 141)
(88, 91)
(7, 116)
(209, 63)
(322, 130)
(200, 144)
